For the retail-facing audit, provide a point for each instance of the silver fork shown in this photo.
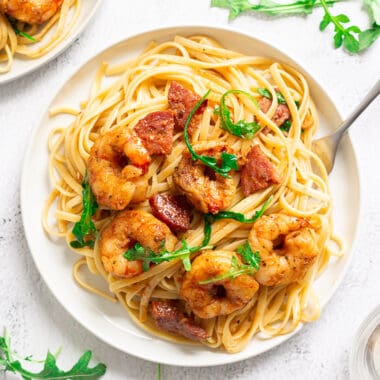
(326, 147)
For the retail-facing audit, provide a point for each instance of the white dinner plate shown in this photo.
(54, 260)
(23, 66)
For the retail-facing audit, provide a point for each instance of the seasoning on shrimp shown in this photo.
(216, 298)
(127, 228)
(116, 167)
(30, 11)
(205, 189)
(287, 248)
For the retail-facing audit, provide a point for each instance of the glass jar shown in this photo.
(365, 353)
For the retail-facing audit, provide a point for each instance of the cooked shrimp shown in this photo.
(30, 11)
(287, 248)
(116, 166)
(218, 298)
(127, 228)
(207, 190)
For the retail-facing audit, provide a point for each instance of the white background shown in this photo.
(34, 318)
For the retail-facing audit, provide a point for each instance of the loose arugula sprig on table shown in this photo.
(352, 38)
(50, 371)
(228, 160)
(85, 229)
(373, 8)
(269, 7)
(251, 264)
(147, 256)
(241, 128)
(240, 217)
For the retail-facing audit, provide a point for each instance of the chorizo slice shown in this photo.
(258, 173)
(281, 114)
(173, 210)
(181, 102)
(156, 132)
(169, 317)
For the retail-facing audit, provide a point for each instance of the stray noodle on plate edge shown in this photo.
(43, 38)
(141, 87)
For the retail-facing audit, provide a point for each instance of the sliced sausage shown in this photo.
(259, 173)
(156, 132)
(182, 101)
(282, 111)
(173, 210)
(169, 317)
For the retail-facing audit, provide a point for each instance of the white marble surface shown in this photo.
(29, 311)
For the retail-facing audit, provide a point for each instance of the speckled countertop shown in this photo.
(36, 320)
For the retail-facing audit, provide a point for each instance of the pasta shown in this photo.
(31, 41)
(140, 87)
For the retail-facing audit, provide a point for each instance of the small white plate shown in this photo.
(23, 66)
(109, 321)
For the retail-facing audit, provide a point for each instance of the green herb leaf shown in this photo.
(268, 7)
(368, 37)
(147, 256)
(266, 93)
(373, 7)
(251, 264)
(286, 125)
(241, 128)
(280, 98)
(338, 40)
(228, 161)
(351, 43)
(85, 229)
(324, 23)
(21, 33)
(343, 36)
(352, 38)
(251, 258)
(240, 217)
(50, 371)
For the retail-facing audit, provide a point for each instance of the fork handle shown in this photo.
(369, 98)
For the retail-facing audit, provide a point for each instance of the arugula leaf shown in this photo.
(20, 32)
(241, 128)
(343, 36)
(373, 6)
(251, 264)
(240, 217)
(85, 228)
(368, 37)
(269, 7)
(50, 371)
(251, 258)
(147, 256)
(23, 34)
(228, 161)
(351, 38)
(285, 126)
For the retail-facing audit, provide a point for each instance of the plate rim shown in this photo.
(233, 358)
(58, 50)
